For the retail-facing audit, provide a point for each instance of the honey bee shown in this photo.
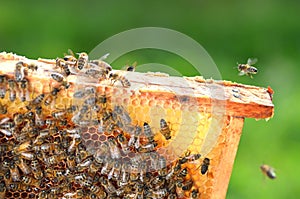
(131, 68)
(19, 71)
(59, 114)
(24, 95)
(124, 143)
(204, 165)
(61, 63)
(98, 191)
(2, 190)
(114, 150)
(60, 79)
(164, 129)
(29, 180)
(147, 147)
(268, 171)
(248, 69)
(188, 157)
(36, 169)
(148, 132)
(36, 101)
(82, 61)
(51, 96)
(194, 194)
(118, 77)
(12, 90)
(6, 127)
(134, 138)
(22, 165)
(3, 80)
(102, 64)
(3, 108)
(109, 187)
(14, 172)
(71, 162)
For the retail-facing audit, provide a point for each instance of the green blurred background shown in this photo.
(230, 31)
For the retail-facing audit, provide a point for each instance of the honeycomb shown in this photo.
(74, 131)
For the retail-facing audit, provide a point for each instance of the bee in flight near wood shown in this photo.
(248, 69)
(268, 171)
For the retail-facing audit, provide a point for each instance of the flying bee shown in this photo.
(82, 61)
(204, 165)
(268, 171)
(248, 69)
(12, 89)
(164, 129)
(118, 77)
(20, 71)
(3, 80)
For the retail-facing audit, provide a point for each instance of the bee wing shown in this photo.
(5, 132)
(251, 61)
(241, 73)
(4, 120)
(104, 57)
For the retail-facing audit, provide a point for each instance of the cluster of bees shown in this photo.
(43, 153)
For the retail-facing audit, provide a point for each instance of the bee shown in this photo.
(187, 185)
(24, 95)
(82, 61)
(3, 80)
(71, 162)
(6, 127)
(114, 150)
(60, 79)
(51, 96)
(148, 132)
(59, 114)
(19, 71)
(2, 190)
(12, 90)
(70, 58)
(109, 187)
(248, 69)
(102, 64)
(98, 191)
(27, 180)
(194, 194)
(131, 67)
(14, 172)
(135, 138)
(118, 77)
(22, 165)
(268, 171)
(36, 101)
(189, 158)
(124, 143)
(164, 129)
(3, 108)
(96, 73)
(61, 63)
(147, 147)
(204, 165)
